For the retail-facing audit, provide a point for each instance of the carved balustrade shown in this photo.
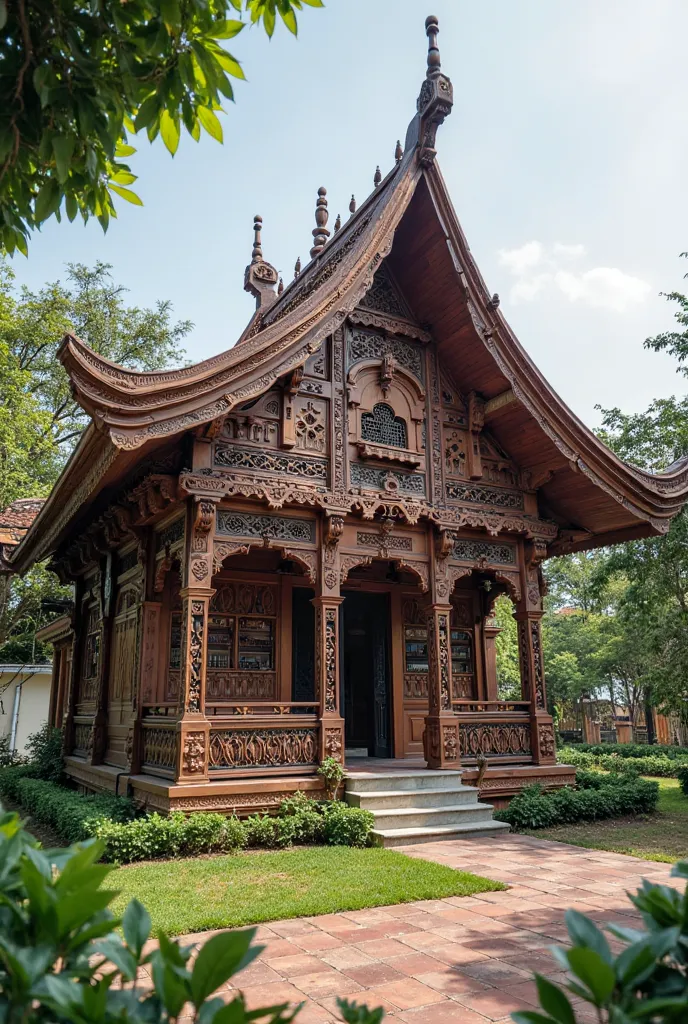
(498, 730)
(269, 743)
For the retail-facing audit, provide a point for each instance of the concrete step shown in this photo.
(413, 836)
(429, 817)
(379, 800)
(402, 780)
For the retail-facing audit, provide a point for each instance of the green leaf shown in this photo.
(123, 149)
(123, 177)
(228, 63)
(584, 932)
(593, 971)
(147, 112)
(269, 21)
(171, 14)
(220, 958)
(63, 148)
(289, 19)
(210, 122)
(554, 1001)
(119, 955)
(125, 193)
(136, 925)
(313, 3)
(47, 201)
(169, 130)
(225, 29)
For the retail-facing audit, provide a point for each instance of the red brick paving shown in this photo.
(463, 960)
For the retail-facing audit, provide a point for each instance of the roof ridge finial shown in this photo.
(377, 177)
(434, 65)
(297, 267)
(257, 251)
(280, 286)
(398, 152)
(352, 204)
(337, 223)
(320, 232)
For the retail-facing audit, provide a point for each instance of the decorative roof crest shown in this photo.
(260, 277)
(434, 103)
(320, 231)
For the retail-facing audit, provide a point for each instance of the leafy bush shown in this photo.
(10, 777)
(651, 764)
(62, 960)
(174, 836)
(647, 981)
(682, 776)
(7, 756)
(631, 750)
(597, 796)
(347, 826)
(331, 771)
(45, 753)
(71, 815)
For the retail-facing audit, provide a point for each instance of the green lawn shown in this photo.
(220, 892)
(660, 836)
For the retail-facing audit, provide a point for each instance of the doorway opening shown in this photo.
(365, 674)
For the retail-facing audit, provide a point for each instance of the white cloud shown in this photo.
(538, 270)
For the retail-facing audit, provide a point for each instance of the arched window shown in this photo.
(381, 426)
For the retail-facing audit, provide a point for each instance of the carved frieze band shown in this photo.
(473, 494)
(392, 482)
(495, 739)
(265, 527)
(234, 457)
(476, 550)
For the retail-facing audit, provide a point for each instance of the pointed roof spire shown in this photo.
(260, 277)
(352, 205)
(257, 251)
(320, 232)
(377, 177)
(297, 267)
(337, 223)
(434, 64)
(398, 152)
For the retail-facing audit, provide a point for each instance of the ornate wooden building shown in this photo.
(294, 548)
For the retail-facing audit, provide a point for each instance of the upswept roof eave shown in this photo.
(648, 495)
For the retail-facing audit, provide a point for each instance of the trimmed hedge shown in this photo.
(597, 796)
(682, 776)
(127, 838)
(634, 749)
(68, 813)
(650, 764)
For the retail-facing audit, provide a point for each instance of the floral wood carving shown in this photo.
(193, 756)
(247, 748)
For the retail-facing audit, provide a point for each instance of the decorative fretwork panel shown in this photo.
(248, 524)
(90, 671)
(475, 550)
(240, 685)
(381, 426)
(244, 598)
(475, 494)
(362, 344)
(384, 297)
(231, 456)
(170, 535)
(385, 480)
(83, 738)
(495, 739)
(249, 748)
(311, 426)
(159, 748)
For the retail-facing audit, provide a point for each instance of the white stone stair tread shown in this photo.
(443, 830)
(385, 812)
(380, 794)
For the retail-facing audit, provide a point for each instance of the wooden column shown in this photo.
(441, 737)
(100, 722)
(533, 684)
(193, 728)
(490, 634)
(327, 610)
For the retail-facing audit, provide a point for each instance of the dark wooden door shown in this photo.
(365, 673)
(303, 644)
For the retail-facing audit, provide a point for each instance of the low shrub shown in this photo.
(10, 777)
(45, 753)
(177, 835)
(682, 776)
(597, 796)
(651, 764)
(71, 815)
(347, 826)
(631, 750)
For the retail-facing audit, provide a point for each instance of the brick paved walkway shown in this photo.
(462, 959)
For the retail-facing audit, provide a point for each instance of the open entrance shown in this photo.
(365, 674)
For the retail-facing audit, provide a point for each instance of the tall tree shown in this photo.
(78, 79)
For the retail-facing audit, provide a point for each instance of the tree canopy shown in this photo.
(80, 79)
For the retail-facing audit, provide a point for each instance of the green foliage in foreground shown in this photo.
(219, 892)
(61, 959)
(79, 79)
(682, 776)
(633, 750)
(651, 764)
(597, 796)
(647, 981)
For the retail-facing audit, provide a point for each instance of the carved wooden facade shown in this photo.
(377, 430)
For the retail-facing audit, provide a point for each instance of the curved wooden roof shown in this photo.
(408, 219)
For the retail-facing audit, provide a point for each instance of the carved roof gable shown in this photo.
(384, 296)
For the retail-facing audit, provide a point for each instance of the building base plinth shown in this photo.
(502, 782)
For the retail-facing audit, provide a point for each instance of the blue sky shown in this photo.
(565, 156)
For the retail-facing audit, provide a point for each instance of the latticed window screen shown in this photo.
(382, 427)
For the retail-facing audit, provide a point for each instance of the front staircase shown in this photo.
(420, 806)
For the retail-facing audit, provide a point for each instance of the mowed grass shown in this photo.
(662, 836)
(200, 893)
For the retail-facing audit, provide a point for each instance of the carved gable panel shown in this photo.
(384, 296)
(256, 422)
(310, 427)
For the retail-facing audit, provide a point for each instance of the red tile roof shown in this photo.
(17, 518)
